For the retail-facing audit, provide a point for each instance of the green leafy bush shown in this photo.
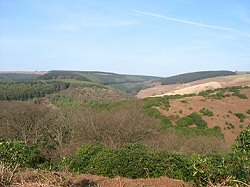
(240, 156)
(191, 119)
(156, 101)
(210, 168)
(166, 121)
(153, 112)
(184, 122)
(80, 161)
(132, 161)
(241, 116)
(242, 96)
(184, 101)
(198, 121)
(230, 125)
(217, 129)
(20, 153)
(206, 112)
(139, 161)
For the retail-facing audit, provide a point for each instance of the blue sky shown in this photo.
(154, 37)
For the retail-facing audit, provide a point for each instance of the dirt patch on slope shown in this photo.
(194, 87)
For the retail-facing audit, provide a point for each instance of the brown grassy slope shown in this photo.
(221, 110)
(196, 86)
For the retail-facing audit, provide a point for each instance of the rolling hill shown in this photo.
(20, 76)
(194, 76)
(156, 89)
(127, 83)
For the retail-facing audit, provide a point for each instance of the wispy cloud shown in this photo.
(77, 26)
(242, 13)
(189, 22)
(51, 56)
(245, 48)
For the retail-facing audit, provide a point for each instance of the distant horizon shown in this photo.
(46, 71)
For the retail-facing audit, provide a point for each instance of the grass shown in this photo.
(7, 172)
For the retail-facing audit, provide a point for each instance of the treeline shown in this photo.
(25, 91)
(189, 77)
(105, 78)
(63, 75)
(18, 77)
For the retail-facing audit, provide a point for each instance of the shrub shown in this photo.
(197, 120)
(210, 168)
(20, 153)
(80, 161)
(191, 119)
(248, 112)
(206, 112)
(166, 121)
(230, 125)
(156, 101)
(217, 129)
(184, 101)
(102, 163)
(242, 96)
(153, 112)
(240, 156)
(132, 161)
(241, 116)
(138, 161)
(184, 122)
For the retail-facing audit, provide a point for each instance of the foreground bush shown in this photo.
(132, 161)
(138, 161)
(241, 156)
(20, 153)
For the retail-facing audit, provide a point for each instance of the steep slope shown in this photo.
(157, 89)
(221, 109)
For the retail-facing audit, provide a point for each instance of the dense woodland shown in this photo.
(25, 91)
(105, 78)
(18, 77)
(189, 77)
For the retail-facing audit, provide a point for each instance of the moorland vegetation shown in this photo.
(68, 124)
